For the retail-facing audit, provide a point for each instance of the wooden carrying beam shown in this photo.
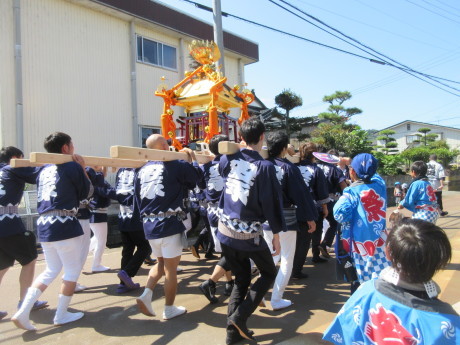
(55, 158)
(230, 148)
(153, 155)
(21, 163)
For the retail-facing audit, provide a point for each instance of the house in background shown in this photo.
(90, 68)
(406, 134)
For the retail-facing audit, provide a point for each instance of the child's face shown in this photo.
(353, 175)
(412, 173)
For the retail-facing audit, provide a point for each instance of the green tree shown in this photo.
(426, 138)
(439, 144)
(335, 132)
(357, 141)
(389, 165)
(337, 113)
(288, 100)
(390, 144)
(420, 153)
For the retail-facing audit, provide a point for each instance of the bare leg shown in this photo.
(42, 287)
(228, 275)
(2, 273)
(170, 286)
(26, 278)
(68, 288)
(155, 273)
(218, 273)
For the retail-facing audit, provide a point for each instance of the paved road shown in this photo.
(114, 319)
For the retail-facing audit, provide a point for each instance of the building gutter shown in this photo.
(18, 74)
(134, 113)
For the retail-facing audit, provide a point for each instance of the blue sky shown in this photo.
(422, 34)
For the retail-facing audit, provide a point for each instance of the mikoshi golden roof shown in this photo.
(195, 96)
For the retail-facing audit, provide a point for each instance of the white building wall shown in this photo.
(231, 72)
(452, 136)
(76, 76)
(7, 85)
(150, 107)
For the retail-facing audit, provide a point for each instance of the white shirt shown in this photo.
(435, 174)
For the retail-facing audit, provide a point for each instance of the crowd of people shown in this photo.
(259, 213)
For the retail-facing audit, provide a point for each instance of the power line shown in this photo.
(225, 14)
(447, 5)
(427, 9)
(442, 9)
(372, 26)
(404, 68)
(203, 7)
(405, 22)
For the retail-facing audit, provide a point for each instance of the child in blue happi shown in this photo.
(397, 192)
(401, 306)
(421, 197)
(361, 210)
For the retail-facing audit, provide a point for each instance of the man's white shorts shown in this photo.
(167, 247)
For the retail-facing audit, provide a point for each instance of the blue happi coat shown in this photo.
(101, 199)
(384, 314)
(252, 195)
(60, 187)
(362, 212)
(213, 185)
(12, 183)
(420, 195)
(212, 182)
(129, 218)
(334, 176)
(315, 180)
(159, 188)
(295, 192)
(421, 200)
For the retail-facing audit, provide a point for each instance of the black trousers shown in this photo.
(244, 299)
(303, 242)
(439, 198)
(135, 249)
(205, 237)
(330, 233)
(224, 264)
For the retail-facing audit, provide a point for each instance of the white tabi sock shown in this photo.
(21, 318)
(62, 315)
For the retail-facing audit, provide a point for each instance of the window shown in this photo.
(156, 53)
(408, 126)
(411, 138)
(146, 132)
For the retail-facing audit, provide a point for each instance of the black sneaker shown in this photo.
(240, 325)
(194, 249)
(149, 261)
(229, 287)
(233, 336)
(208, 288)
(210, 256)
(318, 260)
(323, 250)
(444, 213)
(299, 276)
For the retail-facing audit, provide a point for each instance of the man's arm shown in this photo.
(191, 174)
(85, 187)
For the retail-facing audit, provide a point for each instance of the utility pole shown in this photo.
(218, 35)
